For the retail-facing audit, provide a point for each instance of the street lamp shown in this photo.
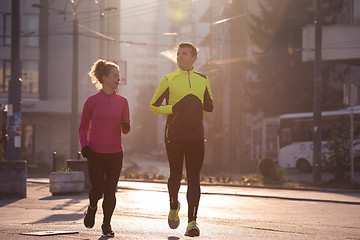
(14, 93)
(317, 130)
(74, 143)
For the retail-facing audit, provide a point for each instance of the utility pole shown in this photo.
(44, 49)
(74, 143)
(317, 95)
(14, 93)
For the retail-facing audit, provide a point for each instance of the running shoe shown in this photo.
(89, 219)
(192, 230)
(173, 218)
(107, 232)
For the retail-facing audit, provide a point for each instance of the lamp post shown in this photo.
(74, 143)
(317, 95)
(14, 93)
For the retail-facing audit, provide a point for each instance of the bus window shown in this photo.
(302, 130)
(285, 136)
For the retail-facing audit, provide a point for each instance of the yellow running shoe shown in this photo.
(192, 230)
(173, 218)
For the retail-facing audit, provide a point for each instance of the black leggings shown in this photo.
(104, 172)
(193, 151)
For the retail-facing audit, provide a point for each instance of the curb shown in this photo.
(313, 189)
(252, 195)
(41, 181)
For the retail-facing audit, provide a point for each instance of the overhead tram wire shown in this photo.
(88, 19)
(145, 8)
(143, 12)
(158, 7)
(139, 9)
(106, 37)
(242, 15)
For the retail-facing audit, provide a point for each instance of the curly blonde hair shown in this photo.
(99, 69)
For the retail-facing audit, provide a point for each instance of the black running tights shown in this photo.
(193, 152)
(104, 171)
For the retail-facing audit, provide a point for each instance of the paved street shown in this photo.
(225, 213)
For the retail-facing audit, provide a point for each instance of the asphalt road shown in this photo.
(225, 213)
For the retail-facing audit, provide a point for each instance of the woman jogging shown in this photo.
(105, 115)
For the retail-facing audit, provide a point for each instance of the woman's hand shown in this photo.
(86, 151)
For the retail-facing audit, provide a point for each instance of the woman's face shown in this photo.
(112, 80)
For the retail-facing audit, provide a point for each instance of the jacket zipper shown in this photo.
(189, 79)
(168, 126)
(108, 101)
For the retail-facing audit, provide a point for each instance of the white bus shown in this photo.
(296, 135)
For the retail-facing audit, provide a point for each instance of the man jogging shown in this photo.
(187, 94)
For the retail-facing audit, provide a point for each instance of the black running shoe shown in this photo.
(89, 219)
(107, 232)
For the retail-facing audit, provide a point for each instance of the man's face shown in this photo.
(185, 60)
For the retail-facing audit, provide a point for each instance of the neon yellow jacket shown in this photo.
(187, 95)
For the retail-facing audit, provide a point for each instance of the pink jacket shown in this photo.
(104, 114)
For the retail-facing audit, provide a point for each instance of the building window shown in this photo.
(5, 29)
(29, 76)
(27, 145)
(350, 12)
(29, 24)
(356, 12)
(4, 75)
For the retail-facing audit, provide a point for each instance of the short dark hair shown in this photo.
(194, 50)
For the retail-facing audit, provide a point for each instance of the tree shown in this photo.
(337, 159)
(281, 82)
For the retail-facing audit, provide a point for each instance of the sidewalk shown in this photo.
(41, 211)
(339, 196)
(312, 194)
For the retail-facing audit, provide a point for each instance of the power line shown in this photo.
(133, 12)
(243, 15)
(97, 17)
(106, 37)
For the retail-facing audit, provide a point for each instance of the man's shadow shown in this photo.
(169, 238)
(104, 238)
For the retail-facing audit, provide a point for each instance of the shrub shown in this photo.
(337, 160)
(268, 169)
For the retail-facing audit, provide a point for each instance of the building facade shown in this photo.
(46, 53)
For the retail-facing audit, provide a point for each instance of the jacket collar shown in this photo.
(180, 71)
(105, 94)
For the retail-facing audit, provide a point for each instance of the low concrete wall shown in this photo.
(81, 166)
(66, 182)
(13, 176)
